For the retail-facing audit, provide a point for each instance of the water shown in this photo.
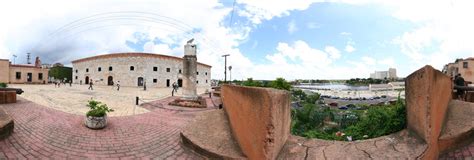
(329, 86)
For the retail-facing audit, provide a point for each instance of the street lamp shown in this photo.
(14, 57)
(225, 66)
(230, 70)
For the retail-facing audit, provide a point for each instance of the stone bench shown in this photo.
(7, 97)
(6, 124)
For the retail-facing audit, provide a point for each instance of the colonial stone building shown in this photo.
(23, 73)
(135, 69)
(465, 67)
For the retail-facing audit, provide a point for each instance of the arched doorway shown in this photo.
(140, 81)
(87, 79)
(110, 81)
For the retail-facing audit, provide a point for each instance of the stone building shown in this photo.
(23, 73)
(465, 67)
(136, 69)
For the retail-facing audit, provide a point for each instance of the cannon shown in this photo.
(17, 90)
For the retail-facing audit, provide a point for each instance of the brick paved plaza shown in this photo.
(41, 132)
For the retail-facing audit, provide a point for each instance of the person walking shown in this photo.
(90, 85)
(459, 81)
(118, 85)
(70, 83)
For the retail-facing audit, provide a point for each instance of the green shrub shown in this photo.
(97, 109)
(3, 85)
(280, 83)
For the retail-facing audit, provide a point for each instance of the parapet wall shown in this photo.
(259, 119)
(428, 92)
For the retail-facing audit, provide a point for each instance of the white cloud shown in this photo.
(259, 10)
(368, 60)
(349, 48)
(333, 52)
(389, 62)
(292, 27)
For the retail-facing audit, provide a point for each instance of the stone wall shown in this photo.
(143, 67)
(24, 74)
(428, 92)
(4, 70)
(259, 119)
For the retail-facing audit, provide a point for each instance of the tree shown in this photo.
(280, 83)
(250, 82)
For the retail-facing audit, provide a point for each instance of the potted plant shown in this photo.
(96, 117)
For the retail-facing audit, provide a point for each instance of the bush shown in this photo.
(97, 109)
(3, 85)
(280, 83)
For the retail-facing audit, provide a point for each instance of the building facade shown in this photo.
(135, 69)
(465, 67)
(23, 73)
(390, 74)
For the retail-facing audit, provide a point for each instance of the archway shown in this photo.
(180, 82)
(140, 81)
(87, 79)
(110, 81)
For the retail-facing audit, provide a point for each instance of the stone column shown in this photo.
(189, 71)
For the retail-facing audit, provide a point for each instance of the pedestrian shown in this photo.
(59, 84)
(55, 84)
(118, 85)
(80, 82)
(70, 83)
(174, 87)
(459, 81)
(90, 85)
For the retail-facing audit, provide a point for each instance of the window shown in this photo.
(155, 69)
(132, 68)
(206, 80)
(18, 75)
(87, 69)
(179, 71)
(197, 82)
(155, 80)
(76, 77)
(76, 71)
(197, 73)
(206, 73)
(464, 64)
(40, 76)
(99, 69)
(168, 69)
(110, 68)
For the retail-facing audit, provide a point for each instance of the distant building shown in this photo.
(22, 73)
(465, 67)
(390, 74)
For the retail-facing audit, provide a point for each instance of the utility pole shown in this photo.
(225, 67)
(14, 57)
(230, 71)
(28, 58)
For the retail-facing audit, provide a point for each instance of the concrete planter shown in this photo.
(96, 122)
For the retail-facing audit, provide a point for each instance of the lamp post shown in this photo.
(14, 57)
(225, 67)
(230, 71)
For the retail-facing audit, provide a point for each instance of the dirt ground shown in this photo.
(74, 99)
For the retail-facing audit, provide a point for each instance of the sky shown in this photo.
(266, 39)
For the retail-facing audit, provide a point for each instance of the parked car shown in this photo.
(343, 108)
(384, 96)
(333, 104)
(351, 106)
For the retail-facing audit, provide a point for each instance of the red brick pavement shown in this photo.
(461, 153)
(42, 133)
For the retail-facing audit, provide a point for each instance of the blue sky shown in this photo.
(304, 39)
